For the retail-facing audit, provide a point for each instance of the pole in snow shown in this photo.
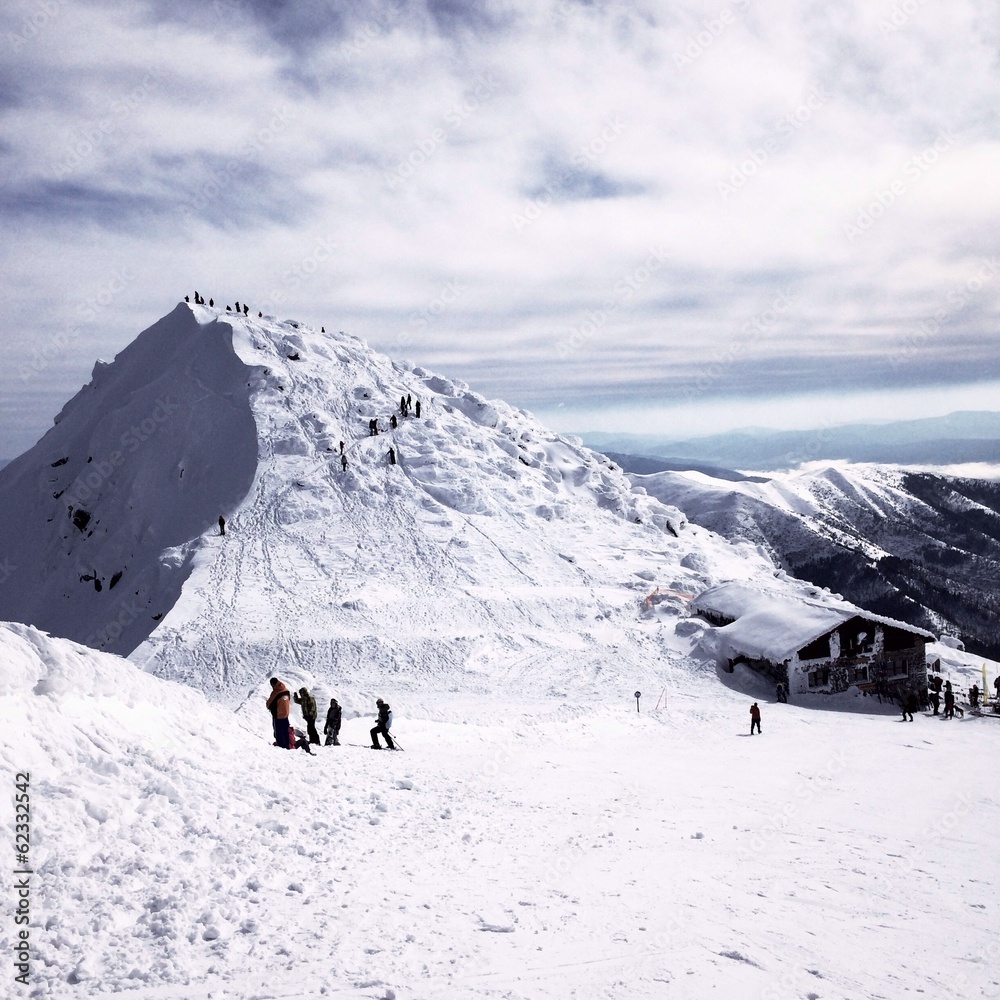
(638, 695)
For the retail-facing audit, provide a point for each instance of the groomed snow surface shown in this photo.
(541, 849)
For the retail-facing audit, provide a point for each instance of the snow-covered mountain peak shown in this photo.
(451, 543)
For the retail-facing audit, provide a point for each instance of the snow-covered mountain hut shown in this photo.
(815, 646)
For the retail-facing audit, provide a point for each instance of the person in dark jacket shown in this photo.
(332, 728)
(278, 704)
(949, 701)
(416, 408)
(382, 726)
(222, 525)
(908, 701)
(780, 692)
(308, 704)
(392, 456)
(754, 718)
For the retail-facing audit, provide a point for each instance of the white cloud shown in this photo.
(532, 155)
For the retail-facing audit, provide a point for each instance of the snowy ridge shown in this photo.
(490, 546)
(920, 547)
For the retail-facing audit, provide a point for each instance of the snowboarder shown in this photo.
(392, 456)
(780, 691)
(382, 726)
(222, 525)
(755, 718)
(308, 702)
(278, 704)
(332, 728)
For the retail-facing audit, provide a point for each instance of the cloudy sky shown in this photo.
(668, 217)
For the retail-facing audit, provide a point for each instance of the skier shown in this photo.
(332, 728)
(308, 703)
(278, 705)
(755, 718)
(382, 726)
(222, 525)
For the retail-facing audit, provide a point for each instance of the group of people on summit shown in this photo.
(285, 735)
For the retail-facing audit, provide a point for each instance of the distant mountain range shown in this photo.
(919, 547)
(966, 436)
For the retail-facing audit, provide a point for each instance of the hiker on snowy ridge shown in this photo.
(308, 702)
(382, 726)
(755, 718)
(279, 704)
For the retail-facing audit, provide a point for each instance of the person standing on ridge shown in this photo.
(755, 719)
(222, 525)
(308, 703)
(278, 704)
(382, 726)
(332, 728)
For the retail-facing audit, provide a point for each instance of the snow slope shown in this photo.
(491, 542)
(539, 837)
(916, 546)
(551, 850)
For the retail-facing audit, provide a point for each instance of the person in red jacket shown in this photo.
(754, 718)
(278, 704)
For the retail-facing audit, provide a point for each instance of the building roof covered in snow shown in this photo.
(774, 626)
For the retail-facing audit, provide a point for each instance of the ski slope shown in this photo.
(538, 837)
(546, 848)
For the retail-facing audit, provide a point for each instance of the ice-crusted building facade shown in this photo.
(821, 646)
